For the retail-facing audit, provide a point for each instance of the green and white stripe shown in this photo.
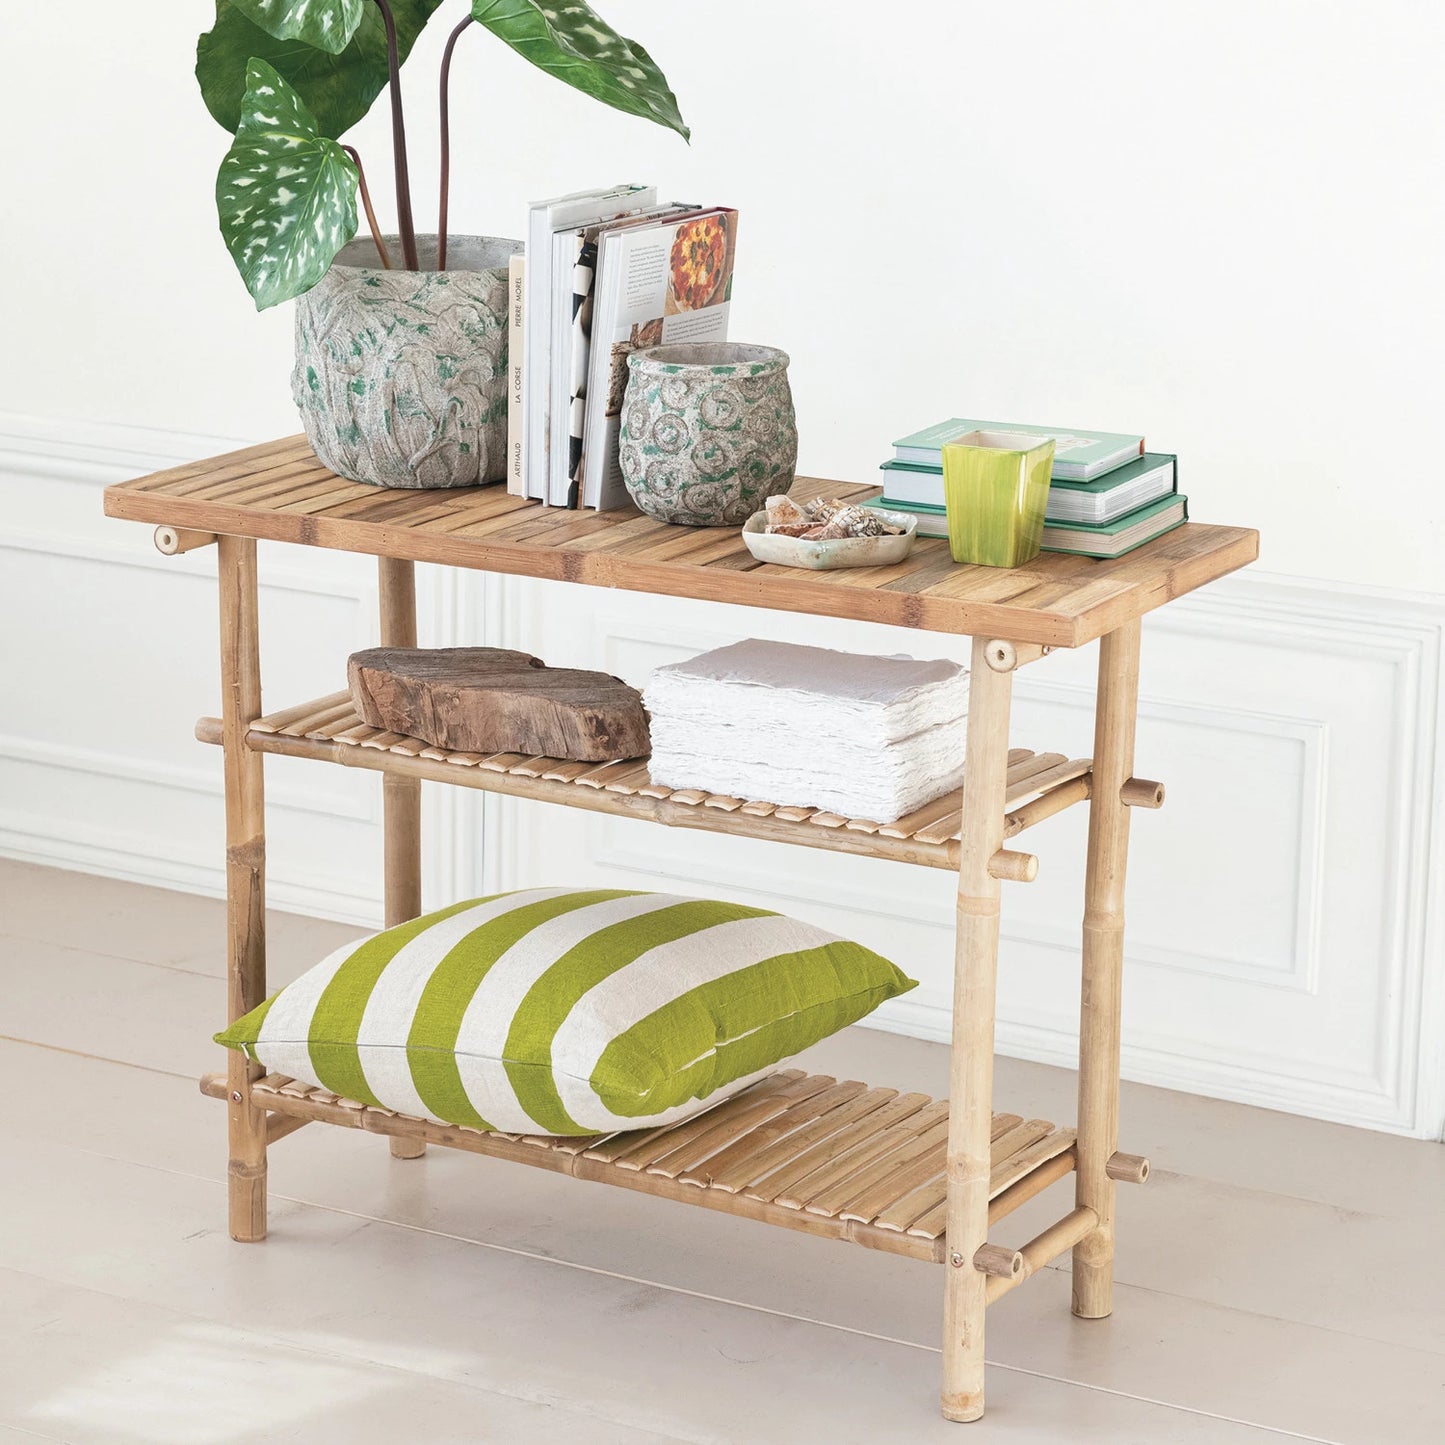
(565, 1012)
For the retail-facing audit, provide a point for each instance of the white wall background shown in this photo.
(1218, 223)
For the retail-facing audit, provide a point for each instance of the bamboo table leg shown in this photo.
(1103, 964)
(245, 877)
(400, 797)
(970, 1117)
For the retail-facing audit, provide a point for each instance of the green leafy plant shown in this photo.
(287, 78)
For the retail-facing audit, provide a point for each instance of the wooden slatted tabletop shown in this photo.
(280, 492)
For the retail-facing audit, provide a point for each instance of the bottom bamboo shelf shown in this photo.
(804, 1151)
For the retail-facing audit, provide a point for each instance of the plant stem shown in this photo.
(366, 202)
(446, 144)
(404, 223)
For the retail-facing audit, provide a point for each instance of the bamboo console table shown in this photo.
(897, 1172)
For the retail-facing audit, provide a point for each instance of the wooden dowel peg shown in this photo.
(1002, 1263)
(172, 541)
(1127, 1168)
(1142, 793)
(1004, 656)
(1013, 867)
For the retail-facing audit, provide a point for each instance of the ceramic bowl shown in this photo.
(835, 551)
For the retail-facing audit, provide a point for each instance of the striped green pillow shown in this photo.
(553, 1011)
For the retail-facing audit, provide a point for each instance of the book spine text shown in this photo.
(516, 360)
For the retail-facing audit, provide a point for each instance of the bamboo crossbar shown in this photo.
(278, 1126)
(1044, 1248)
(328, 729)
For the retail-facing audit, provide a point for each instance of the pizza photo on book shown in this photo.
(700, 265)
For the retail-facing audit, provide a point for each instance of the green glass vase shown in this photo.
(996, 490)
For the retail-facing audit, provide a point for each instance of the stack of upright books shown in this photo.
(1107, 495)
(605, 272)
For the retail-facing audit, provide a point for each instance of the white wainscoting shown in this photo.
(109, 654)
(1279, 949)
(1283, 948)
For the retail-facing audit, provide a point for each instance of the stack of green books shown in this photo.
(1107, 495)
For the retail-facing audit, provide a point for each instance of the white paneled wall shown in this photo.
(1278, 951)
(109, 654)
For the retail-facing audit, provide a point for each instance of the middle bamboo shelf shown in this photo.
(329, 729)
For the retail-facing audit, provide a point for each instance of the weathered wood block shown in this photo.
(493, 700)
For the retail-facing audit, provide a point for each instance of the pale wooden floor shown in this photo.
(1279, 1278)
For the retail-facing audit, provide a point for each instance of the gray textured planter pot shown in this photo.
(708, 432)
(401, 376)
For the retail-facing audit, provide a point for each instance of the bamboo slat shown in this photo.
(495, 762)
(330, 729)
(385, 740)
(790, 1151)
(764, 1098)
(731, 1167)
(846, 1171)
(315, 724)
(896, 1175)
(836, 1158)
(799, 1154)
(278, 721)
(718, 1129)
(600, 776)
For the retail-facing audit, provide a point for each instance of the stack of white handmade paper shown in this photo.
(867, 737)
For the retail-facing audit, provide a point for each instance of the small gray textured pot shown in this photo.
(401, 376)
(708, 432)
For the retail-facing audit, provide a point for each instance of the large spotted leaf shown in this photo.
(326, 24)
(337, 89)
(571, 41)
(285, 194)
